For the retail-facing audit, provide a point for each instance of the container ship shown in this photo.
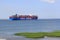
(23, 17)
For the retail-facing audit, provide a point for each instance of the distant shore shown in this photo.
(39, 34)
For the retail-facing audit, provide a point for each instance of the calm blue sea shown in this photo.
(46, 25)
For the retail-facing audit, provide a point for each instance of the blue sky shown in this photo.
(45, 9)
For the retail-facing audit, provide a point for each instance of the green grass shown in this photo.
(54, 34)
(39, 34)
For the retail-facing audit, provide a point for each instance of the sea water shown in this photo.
(41, 25)
(9, 27)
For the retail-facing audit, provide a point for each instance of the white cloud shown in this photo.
(49, 1)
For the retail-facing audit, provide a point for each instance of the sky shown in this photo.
(44, 9)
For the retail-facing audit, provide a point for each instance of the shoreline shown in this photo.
(23, 38)
(14, 37)
(39, 34)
